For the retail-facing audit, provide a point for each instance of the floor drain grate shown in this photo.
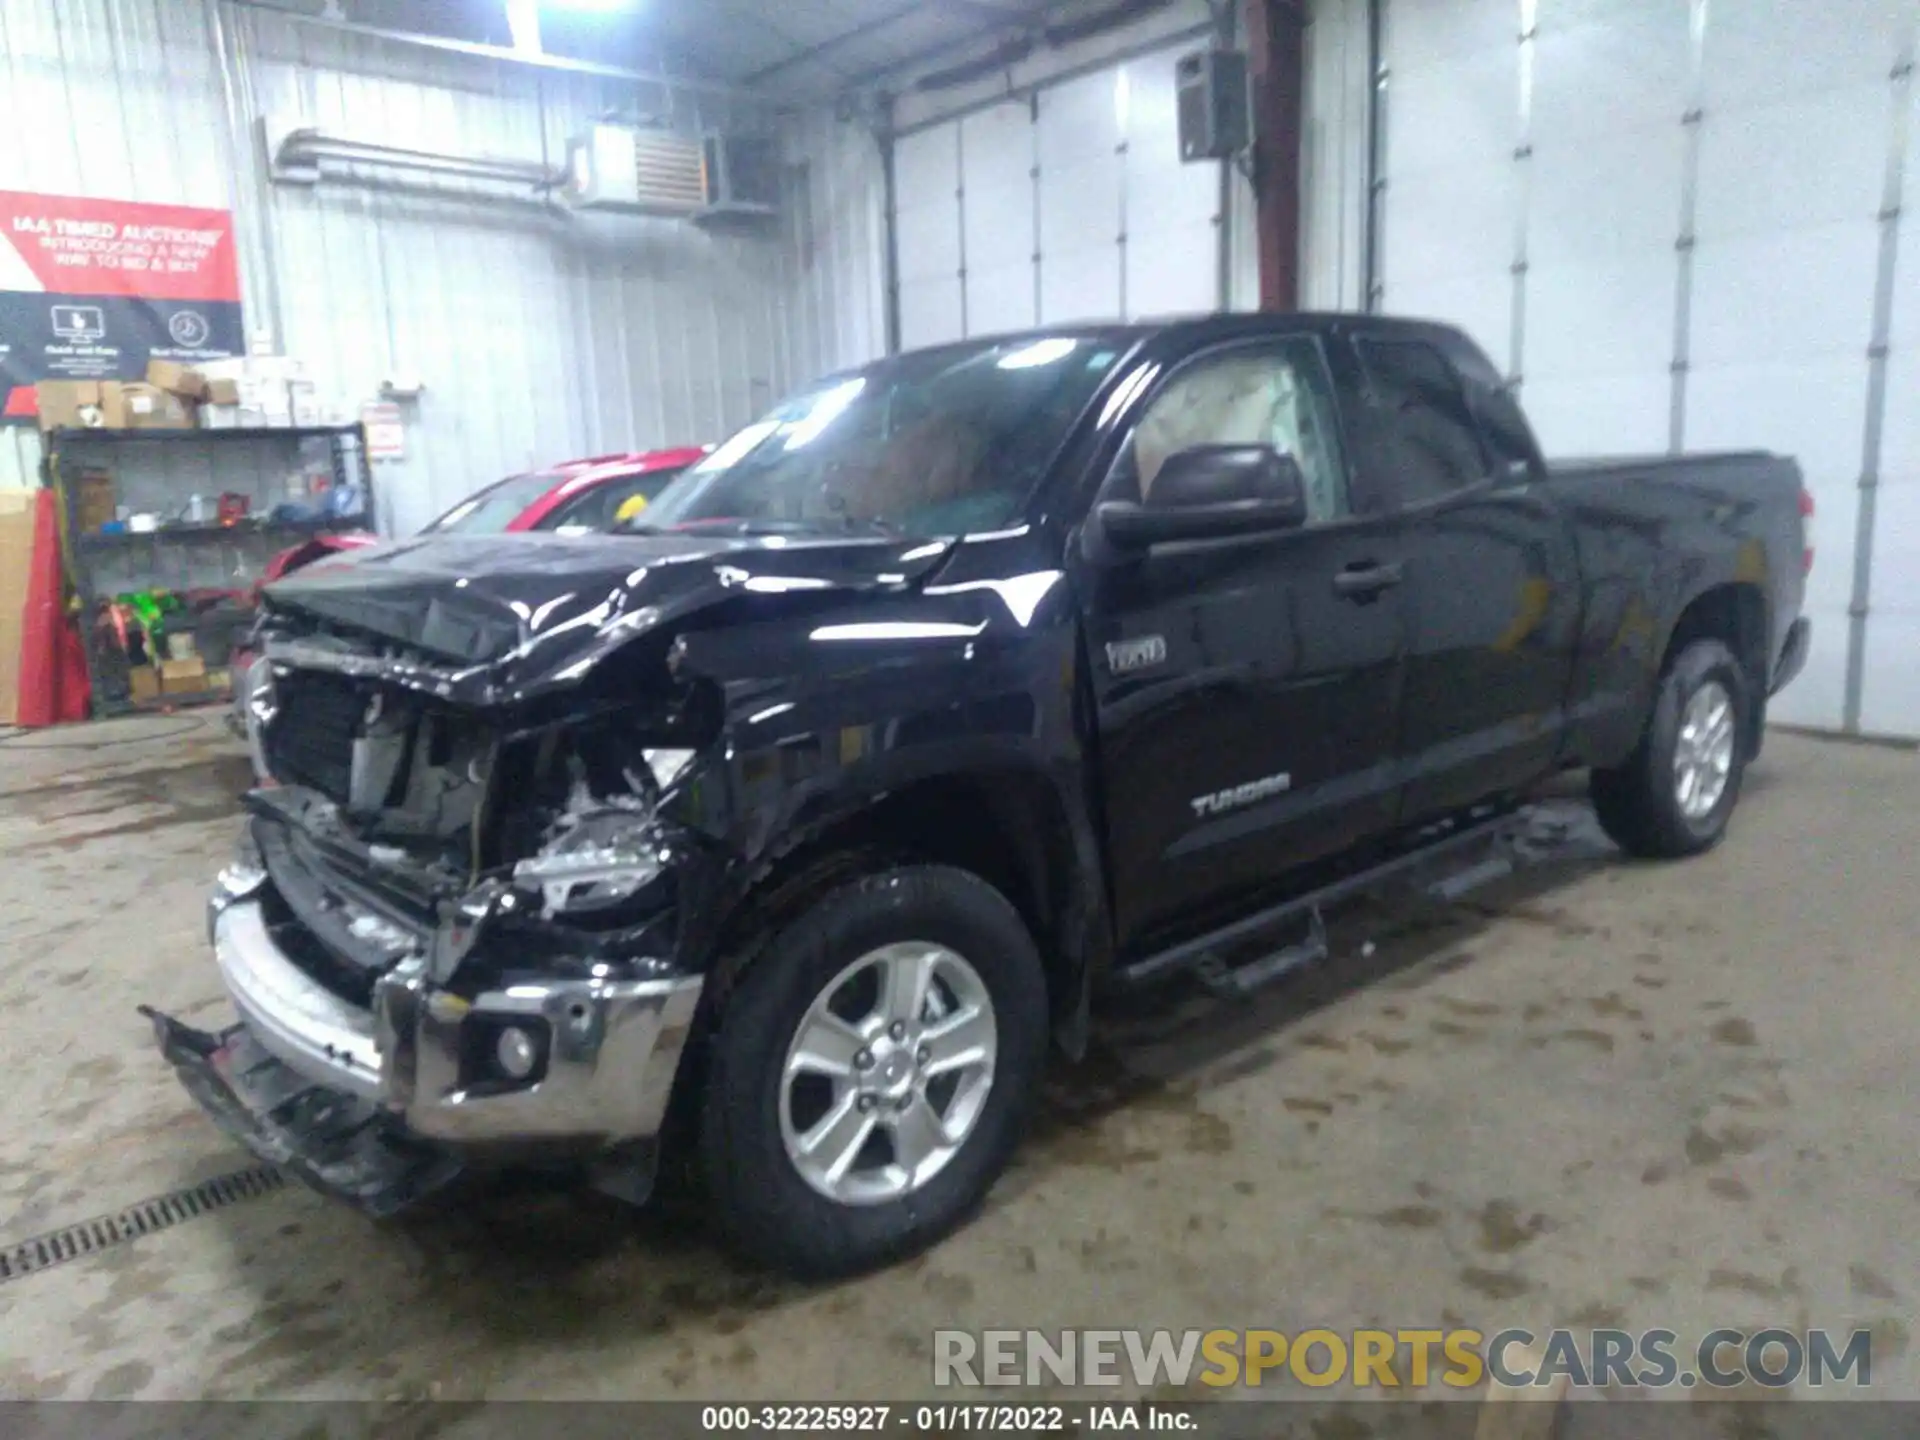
(89, 1237)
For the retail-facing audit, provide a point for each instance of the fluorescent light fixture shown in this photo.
(1040, 352)
(590, 7)
(825, 411)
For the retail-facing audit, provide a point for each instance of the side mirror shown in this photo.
(1208, 492)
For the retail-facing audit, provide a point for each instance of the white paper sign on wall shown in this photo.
(386, 432)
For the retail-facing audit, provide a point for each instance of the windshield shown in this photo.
(494, 508)
(935, 443)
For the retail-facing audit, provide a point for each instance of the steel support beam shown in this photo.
(1276, 40)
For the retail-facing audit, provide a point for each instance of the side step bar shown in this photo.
(1490, 839)
(1228, 981)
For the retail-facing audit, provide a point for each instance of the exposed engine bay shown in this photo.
(386, 805)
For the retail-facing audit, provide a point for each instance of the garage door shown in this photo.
(1071, 204)
(1675, 225)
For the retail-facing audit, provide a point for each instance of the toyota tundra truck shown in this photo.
(780, 832)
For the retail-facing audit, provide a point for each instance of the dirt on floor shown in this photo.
(1598, 1094)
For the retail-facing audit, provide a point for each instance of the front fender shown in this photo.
(829, 716)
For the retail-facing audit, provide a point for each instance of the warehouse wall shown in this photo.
(538, 335)
(1066, 114)
(1055, 192)
(1678, 225)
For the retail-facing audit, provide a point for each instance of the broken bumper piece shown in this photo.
(379, 1105)
(342, 1146)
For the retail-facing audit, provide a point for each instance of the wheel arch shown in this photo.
(1734, 612)
(1012, 827)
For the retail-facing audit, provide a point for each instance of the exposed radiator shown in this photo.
(310, 741)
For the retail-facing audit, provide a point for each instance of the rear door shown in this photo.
(1492, 591)
(1247, 689)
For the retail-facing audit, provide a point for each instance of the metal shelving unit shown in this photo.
(159, 472)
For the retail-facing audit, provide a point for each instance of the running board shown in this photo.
(1231, 981)
(1469, 857)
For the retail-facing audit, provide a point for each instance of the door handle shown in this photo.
(1364, 580)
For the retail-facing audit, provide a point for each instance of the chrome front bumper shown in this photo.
(613, 1047)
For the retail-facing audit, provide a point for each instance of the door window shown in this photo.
(599, 508)
(1277, 396)
(1429, 439)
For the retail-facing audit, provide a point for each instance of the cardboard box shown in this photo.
(266, 402)
(303, 402)
(93, 501)
(81, 404)
(183, 677)
(150, 408)
(254, 367)
(269, 390)
(177, 379)
(143, 682)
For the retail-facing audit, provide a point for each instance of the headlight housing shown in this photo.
(600, 849)
(596, 858)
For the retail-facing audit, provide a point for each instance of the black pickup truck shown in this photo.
(782, 832)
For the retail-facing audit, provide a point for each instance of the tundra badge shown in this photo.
(1124, 656)
(1238, 795)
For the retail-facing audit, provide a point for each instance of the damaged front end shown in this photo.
(451, 932)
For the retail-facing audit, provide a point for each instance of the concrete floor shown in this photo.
(1605, 1093)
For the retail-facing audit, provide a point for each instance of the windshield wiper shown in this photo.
(856, 524)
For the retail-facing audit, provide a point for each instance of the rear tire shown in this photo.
(1675, 794)
(783, 1067)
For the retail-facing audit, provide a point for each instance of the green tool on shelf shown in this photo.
(149, 609)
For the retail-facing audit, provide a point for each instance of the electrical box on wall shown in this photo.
(743, 175)
(1215, 105)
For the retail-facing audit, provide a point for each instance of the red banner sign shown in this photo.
(93, 289)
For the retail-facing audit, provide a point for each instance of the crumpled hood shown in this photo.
(508, 616)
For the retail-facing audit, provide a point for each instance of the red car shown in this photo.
(575, 495)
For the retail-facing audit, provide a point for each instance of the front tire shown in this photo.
(1676, 792)
(872, 1071)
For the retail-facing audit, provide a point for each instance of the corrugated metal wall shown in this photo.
(1680, 226)
(539, 335)
(1054, 191)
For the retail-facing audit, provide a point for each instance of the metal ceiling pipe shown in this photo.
(1055, 78)
(480, 50)
(1276, 40)
(820, 49)
(313, 145)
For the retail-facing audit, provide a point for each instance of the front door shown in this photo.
(1247, 687)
